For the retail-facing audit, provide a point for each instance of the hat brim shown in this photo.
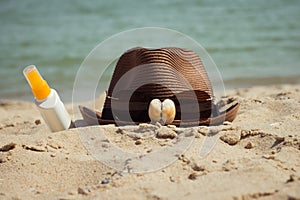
(94, 118)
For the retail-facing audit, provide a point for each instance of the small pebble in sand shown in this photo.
(105, 181)
(184, 159)
(197, 167)
(292, 178)
(105, 145)
(249, 145)
(193, 176)
(172, 179)
(165, 132)
(279, 139)
(8, 147)
(230, 138)
(37, 122)
(273, 152)
(34, 148)
(8, 158)
(1, 159)
(149, 150)
(204, 130)
(138, 142)
(252, 133)
(120, 131)
(82, 190)
(271, 157)
(7, 126)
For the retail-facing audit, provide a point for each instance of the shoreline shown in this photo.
(237, 83)
(230, 84)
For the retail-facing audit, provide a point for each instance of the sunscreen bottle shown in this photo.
(47, 100)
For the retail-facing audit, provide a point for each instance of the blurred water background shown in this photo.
(251, 42)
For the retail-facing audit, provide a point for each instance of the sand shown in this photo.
(255, 157)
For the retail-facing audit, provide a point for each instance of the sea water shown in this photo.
(248, 40)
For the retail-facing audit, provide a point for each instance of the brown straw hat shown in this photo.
(167, 73)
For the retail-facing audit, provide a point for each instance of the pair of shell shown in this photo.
(163, 112)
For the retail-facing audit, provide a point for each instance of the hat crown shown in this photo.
(173, 68)
(162, 73)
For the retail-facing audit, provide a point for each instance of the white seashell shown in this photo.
(168, 111)
(154, 110)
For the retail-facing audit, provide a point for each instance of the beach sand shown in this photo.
(255, 157)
